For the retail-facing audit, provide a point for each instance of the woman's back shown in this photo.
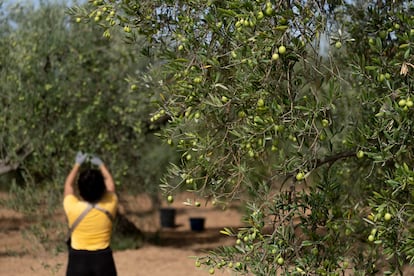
(94, 230)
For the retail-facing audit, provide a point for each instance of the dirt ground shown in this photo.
(171, 255)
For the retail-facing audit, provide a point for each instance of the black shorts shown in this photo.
(91, 263)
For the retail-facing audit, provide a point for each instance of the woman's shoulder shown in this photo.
(70, 198)
(109, 202)
(72, 202)
(109, 197)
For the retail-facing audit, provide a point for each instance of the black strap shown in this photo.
(84, 213)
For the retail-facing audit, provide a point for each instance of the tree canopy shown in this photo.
(303, 106)
(66, 87)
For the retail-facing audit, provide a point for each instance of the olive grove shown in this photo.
(302, 110)
(65, 87)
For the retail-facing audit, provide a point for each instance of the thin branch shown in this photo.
(334, 158)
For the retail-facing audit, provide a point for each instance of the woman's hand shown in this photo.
(96, 161)
(80, 158)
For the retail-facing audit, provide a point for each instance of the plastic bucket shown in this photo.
(197, 224)
(167, 217)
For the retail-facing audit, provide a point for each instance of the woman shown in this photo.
(90, 218)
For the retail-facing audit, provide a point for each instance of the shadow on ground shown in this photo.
(207, 239)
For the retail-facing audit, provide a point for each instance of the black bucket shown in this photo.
(197, 224)
(167, 217)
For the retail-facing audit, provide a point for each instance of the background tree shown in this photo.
(66, 87)
(261, 93)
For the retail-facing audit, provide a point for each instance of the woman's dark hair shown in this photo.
(91, 185)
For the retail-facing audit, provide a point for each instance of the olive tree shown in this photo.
(302, 110)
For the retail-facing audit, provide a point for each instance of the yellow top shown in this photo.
(95, 229)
